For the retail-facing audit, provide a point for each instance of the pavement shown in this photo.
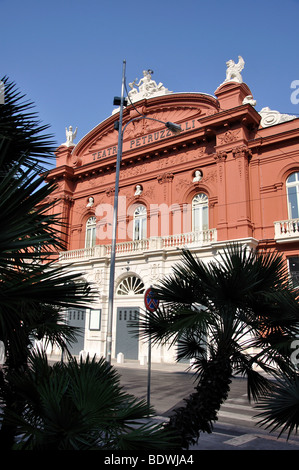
(236, 429)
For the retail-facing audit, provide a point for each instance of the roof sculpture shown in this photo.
(147, 88)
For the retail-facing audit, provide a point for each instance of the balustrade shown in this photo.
(286, 229)
(190, 239)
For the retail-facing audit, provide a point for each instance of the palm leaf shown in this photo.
(80, 406)
(20, 131)
(245, 306)
(281, 407)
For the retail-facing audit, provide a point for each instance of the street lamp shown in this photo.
(175, 129)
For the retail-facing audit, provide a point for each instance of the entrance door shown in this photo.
(76, 317)
(126, 341)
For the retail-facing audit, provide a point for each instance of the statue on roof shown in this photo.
(147, 87)
(233, 71)
(70, 136)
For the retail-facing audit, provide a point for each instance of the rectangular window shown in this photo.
(90, 237)
(293, 202)
(140, 229)
(205, 218)
(95, 319)
(200, 218)
(294, 270)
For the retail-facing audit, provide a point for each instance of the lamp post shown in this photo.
(175, 129)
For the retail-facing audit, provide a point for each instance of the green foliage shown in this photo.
(80, 406)
(21, 134)
(68, 406)
(235, 314)
(33, 290)
(281, 406)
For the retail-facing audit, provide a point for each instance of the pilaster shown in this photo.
(220, 158)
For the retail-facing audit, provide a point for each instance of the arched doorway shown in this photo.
(126, 341)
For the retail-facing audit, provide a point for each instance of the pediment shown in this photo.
(185, 109)
(105, 139)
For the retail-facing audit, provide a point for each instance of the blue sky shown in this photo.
(67, 55)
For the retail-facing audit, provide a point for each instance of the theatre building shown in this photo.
(232, 174)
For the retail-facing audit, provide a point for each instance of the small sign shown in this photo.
(151, 303)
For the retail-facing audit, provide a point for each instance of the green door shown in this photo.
(76, 317)
(126, 341)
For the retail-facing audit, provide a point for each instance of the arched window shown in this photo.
(200, 212)
(90, 236)
(293, 195)
(139, 227)
(131, 285)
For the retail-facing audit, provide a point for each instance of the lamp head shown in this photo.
(117, 101)
(174, 128)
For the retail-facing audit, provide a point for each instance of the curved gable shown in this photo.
(184, 109)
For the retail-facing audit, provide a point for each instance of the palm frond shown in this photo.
(27, 222)
(81, 406)
(281, 407)
(21, 131)
(169, 322)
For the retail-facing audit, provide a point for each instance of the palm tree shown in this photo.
(235, 315)
(81, 406)
(31, 284)
(33, 291)
(67, 406)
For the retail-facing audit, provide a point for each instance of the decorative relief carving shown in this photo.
(240, 167)
(110, 192)
(270, 117)
(106, 139)
(242, 152)
(138, 128)
(182, 183)
(76, 161)
(102, 199)
(221, 173)
(155, 271)
(149, 192)
(210, 176)
(98, 277)
(220, 156)
(207, 177)
(132, 171)
(165, 178)
(200, 152)
(249, 100)
(183, 157)
(229, 136)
